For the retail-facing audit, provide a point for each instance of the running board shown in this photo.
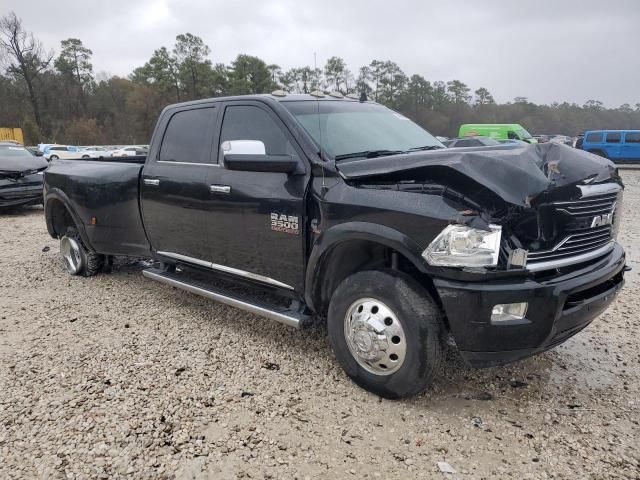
(288, 317)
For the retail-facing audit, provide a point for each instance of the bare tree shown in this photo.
(24, 57)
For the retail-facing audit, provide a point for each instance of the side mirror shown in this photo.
(243, 147)
(251, 156)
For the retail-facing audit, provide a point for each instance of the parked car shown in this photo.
(564, 139)
(337, 210)
(130, 151)
(497, 131)
(54, 152)
(470, 142)
(94, 152)
(20, 176)
(617, 145)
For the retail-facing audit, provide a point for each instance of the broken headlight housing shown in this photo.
(463, 246)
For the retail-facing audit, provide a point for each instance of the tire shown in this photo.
(78, 259)
(420, 335)
(86, 156)
(53, 157)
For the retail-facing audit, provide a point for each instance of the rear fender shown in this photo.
(53, 195)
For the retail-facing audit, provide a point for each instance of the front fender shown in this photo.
(348, 231)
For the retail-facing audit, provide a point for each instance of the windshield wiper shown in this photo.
(426, 147)
(369, 154)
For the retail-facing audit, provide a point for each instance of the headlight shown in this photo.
(462, 246)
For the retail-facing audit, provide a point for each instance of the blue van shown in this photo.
(617, 145)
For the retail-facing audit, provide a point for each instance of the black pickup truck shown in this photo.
(307, 208)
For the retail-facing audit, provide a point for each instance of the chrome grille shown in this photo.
(590, 207)
(582, 240)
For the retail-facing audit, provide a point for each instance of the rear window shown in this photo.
(632, 137)
(613, 137)
(594, 138)
(187, 138)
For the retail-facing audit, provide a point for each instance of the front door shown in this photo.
(175, 194)
(258, 231)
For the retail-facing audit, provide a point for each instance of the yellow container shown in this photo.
(12, 134)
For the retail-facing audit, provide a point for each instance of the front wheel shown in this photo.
(386, 333)
(78, 259)
(53, 157)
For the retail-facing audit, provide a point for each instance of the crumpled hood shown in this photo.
(17, 165)
(517, 174)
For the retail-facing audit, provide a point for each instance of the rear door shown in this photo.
(630, 148)
(258, 231)
(175, 196)
(613, 142)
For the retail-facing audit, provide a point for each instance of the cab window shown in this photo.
(248, 122)
(594, 138)
(613, 137)
(187, 138)
(632, 137)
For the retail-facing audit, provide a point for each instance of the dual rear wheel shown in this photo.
(78, 259)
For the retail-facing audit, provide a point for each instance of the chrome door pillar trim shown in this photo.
(225, 269)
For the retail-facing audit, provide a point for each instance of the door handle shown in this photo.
(220, 189)
(152, 181)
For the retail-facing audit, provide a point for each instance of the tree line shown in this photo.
(59, 98)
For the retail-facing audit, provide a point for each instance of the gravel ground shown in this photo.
(117, 376)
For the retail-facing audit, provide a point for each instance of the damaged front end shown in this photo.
(557, 265)
(21, 177)
(554, 205)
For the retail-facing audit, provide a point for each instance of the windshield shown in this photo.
(344, 128)
(523, 134)
(13, 152)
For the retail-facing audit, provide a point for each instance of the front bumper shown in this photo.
(559, 307)
(24, 191)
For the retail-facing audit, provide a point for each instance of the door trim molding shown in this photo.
(225, 269)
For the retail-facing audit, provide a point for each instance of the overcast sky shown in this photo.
(546, 50)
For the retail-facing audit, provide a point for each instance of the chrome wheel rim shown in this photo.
(71, 254)
(375, 336)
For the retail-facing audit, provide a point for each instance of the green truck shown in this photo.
(499, 131)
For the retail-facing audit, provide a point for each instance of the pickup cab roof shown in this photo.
(277, 97)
